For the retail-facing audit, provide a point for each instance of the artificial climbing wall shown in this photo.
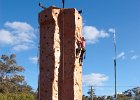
(60, 73)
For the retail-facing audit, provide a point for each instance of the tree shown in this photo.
(91, 93)
(9, 69)
(133, 93)
(85, 97)
(12, 83)
(109, 98)
(136, 91)
(10, 79)
(122, 97)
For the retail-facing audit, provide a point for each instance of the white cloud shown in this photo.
(92, 34)
(20, 47)
(134, 57)
(121, 55)
(112, 30)
(19, 26)
(33, 59)
(18, 35)
(95, 79)
(5, 37)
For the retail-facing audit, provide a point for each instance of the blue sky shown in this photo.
(19, 34)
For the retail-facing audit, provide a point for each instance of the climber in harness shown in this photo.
(78, 50)
(81, 50)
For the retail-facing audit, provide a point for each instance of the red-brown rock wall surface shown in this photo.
(60, 75)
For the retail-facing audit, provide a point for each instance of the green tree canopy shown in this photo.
(11, 80)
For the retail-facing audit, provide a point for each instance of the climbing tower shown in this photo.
(60, 75)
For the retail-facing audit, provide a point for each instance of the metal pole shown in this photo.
(63, 2)
(42, 6)
(91, 93)
(115, 64)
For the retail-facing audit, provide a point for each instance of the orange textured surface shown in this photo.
(60, 73)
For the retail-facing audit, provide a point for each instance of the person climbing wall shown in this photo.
(83, 51)
(78, 49)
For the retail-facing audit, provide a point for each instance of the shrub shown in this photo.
(16, 96)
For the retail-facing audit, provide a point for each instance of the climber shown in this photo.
(83, 51)
(78, 50)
